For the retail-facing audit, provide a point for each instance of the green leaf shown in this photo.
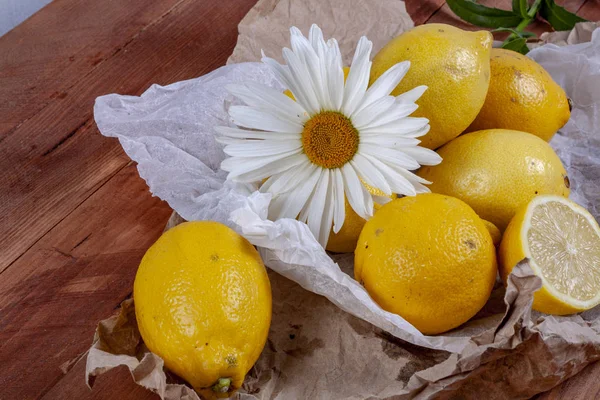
(524, 34)
(558, 17)
(520, 7)
(516, 44)
(483, 16)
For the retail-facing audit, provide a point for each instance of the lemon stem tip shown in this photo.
(222, 385)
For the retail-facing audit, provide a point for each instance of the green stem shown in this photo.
(222, 385)
(526, 21)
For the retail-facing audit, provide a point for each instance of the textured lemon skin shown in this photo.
(428, 258)
(496, 171)
(203, 303)
(494, 232)
(512, 251)
(522, 96)
(455, 66)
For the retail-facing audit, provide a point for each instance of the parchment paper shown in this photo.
(316, 350)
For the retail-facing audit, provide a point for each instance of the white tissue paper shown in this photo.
(169, 132)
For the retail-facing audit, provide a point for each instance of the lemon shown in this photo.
(522, 96)
(203, 304)
(496, 171)
(455, 67)
(494, 232)
(562, 242)
(428, 258)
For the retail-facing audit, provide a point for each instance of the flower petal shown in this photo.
(398, 157)
(289, 205)
(254, 169)
(393, 113)
(359, 198)
(389, 140)
(384, 85)
(398, 183)
(238, 133)
(369, 174)
(266, 98)
(372, 112)
(339, 214)
(260, 148)
(422, 155)
(358, 77)
(253, 118)
(335, 74)
(404, 126)
(412, 95)
(289, 179)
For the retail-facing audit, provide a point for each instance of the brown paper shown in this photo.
(317, 351)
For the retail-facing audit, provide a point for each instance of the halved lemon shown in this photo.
(562, 241)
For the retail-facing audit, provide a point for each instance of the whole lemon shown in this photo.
(496, 171)
(455, 67)
(203, 304)
(428, 258)
(522, 96)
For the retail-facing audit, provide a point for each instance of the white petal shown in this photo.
(248, 134)
(266, 98)
(372, 112)
(415, 180)
(422, 155)
(328, 212)
(398, 157)
(285, 76)
(402, 126)
(253, 118)
(289, 179)
(289, 205)
(313, 212)
(254, 169)
(339, 214)
(392, 114)
(388, 140)
(335, 74)
(303, 49)
(359, 198)
(384, 85)
(398, 183)
(412, 95)
(369, 174)
(303, 86)
(315, 37)
(358, 77)
(259, 148)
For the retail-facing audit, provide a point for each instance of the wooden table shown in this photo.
(75, 217)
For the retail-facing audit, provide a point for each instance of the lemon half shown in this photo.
(562, 241)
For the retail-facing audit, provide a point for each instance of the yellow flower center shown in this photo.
(329, 139)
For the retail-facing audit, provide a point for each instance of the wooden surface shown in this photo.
(75, 218)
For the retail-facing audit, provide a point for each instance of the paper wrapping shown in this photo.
(332, 340)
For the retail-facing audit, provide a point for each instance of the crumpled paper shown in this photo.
(168, 131)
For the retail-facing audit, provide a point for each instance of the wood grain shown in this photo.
(56, 159)
(47, 54)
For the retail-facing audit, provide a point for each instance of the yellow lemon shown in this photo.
(428, 258)
(455, 67)
(562, 242)
(203, 304)
(496, 171)
(494, 232)
(522, 96)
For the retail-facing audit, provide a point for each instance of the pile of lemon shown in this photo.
(202, 295)
(432, 258)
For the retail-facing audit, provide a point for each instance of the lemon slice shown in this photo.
(562, 241)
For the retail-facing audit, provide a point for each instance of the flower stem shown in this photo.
(526, 21)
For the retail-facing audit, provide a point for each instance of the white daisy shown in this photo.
(336, 135)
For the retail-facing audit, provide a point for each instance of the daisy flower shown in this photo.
(335, 138)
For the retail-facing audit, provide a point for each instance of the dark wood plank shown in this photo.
(43, 57)
(56, 159)
(420, 11)
(74, 276)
